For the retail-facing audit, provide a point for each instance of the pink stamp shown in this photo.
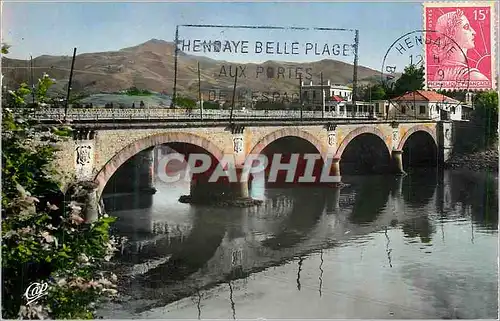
(460, 46)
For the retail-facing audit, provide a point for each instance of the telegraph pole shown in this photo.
(32, 81)
(322, 97)
(69, 84)
(234, 93)
(199, 92)
(300, 96)
(355, 72)
(176, 53)
(414, 105)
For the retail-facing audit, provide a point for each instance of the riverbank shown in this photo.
(484, 160)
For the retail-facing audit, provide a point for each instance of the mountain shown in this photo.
(150, 65)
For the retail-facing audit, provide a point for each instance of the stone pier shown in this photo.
(92, 206)
(335, 168)
(239, 189)
(397, 161)
(202, 188)
(222, 192)
(333, 177)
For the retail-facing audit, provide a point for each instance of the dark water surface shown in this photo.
(422, 246)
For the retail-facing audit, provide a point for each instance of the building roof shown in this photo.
(337, 86)
(425, 95)
(337, 98)
(325, 86)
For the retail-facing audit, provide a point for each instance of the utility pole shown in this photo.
(199, 92)
(300, 96)
(32, 81)
(322, 97)
(234, 93)
(372, 112)
(414, 105)
(176, 52)
(355, 73)
(69, 84)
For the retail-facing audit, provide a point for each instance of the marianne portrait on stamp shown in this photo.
(457, 31)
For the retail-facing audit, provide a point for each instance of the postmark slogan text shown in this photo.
(265, 47)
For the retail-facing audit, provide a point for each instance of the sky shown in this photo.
(46, 28)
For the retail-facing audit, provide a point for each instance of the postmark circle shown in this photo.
(434, 45)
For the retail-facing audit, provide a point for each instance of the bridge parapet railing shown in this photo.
(97, 114)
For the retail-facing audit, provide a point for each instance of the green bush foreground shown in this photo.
(44, 237)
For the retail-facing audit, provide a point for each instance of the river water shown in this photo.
(422, 246)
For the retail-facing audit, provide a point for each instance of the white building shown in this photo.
(424, 104)
(346, 109)
(312, 93)
(337, 98)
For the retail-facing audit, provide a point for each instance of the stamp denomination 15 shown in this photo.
(463, 51)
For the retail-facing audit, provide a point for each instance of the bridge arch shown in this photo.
(359, 131)
(134, 148)
(415, 129)
(268, 145)
(285, 132)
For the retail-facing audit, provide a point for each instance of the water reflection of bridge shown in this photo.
(219, 244)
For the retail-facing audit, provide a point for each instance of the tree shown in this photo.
(481, 131)
(44, 237)
(210, 105)
(185, 102)
(226, 105)
(134, 91)
(486, 113)
(455, 94)
(412, 79)
(5, 48)
(374, 92)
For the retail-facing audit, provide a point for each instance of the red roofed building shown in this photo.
(426, 95)
(426, 104)
(337, 104)
(337, 99)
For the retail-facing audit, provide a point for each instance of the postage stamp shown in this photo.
(462, 50)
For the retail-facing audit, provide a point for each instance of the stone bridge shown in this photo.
(100, 148)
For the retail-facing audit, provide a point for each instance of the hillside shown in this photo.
(151, 66)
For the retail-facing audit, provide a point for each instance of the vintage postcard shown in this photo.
(460, 48)
(249, 160)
